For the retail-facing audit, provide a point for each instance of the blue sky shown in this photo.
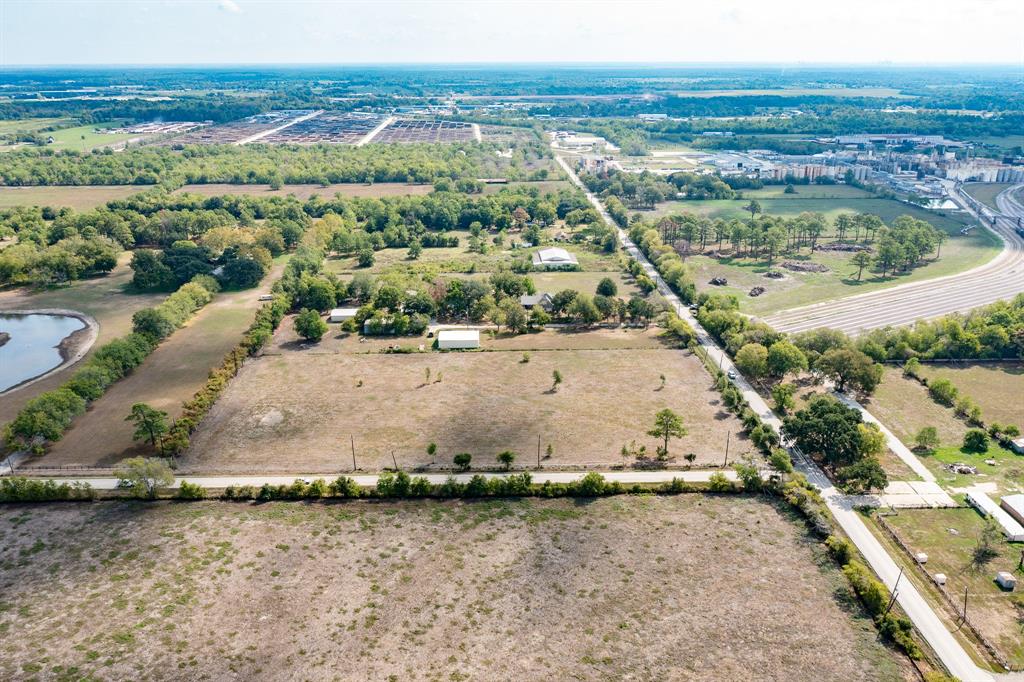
(338, 31)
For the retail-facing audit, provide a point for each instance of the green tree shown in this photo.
(752, 360)
(754, 206)
(849, 368)
(607, 287)
(365, 258)
(462, 460)
(150, 424)
(144, 475)
(927, 439)
(861, 260)
(415, 249)
(309, 325)
(782, 396)
(667, 424)
(785, 358)
(862, 476)
(507, 458)
(512, 315)
(828, 430)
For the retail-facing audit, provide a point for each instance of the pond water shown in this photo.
(32, 347)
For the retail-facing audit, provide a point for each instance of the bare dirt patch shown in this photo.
(481, 402)
(684, 587)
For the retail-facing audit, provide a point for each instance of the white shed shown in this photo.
(342, 314)
(458, 338)
(1006, 580)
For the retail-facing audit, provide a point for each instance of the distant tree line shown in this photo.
(263, 164)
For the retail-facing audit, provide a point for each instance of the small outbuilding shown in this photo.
(1017, 445)
(342, 314)
(1006, 580)
(454, 339)
(939, 578)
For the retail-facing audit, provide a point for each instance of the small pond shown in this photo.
(33, 345)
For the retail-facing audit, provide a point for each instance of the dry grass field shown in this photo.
(998, 388)
(643, 588)
(295, 408)
(168, 377)
(80, 198)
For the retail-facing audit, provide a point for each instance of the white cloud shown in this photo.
(229, 6)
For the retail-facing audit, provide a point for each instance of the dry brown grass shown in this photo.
(170, 375)
(296, 407)
(905, 407)
(647, 588)
(80, 198)
(998, 388)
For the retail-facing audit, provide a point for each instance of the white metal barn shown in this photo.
(451, 339)
(342, 314)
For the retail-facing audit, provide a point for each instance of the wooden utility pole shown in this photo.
(964, 617)
(538, 452)
(727, 436)
(352, 440)
(895, 591)
(394, 461)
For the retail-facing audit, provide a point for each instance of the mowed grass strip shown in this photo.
(297, 407)
(653, 588)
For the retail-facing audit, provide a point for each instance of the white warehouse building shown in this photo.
(455, 339)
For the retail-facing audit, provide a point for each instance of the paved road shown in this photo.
(1000, 278)
(947, 648)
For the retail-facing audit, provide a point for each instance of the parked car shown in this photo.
(266, 297)
(731, 374)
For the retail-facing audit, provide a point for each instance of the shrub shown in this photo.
(718, 483)
(591, 485)
(840, 549)
(943, 391)
(781, 461)
(191, 491)
(975, 440)
(343, 486)
(462, 460)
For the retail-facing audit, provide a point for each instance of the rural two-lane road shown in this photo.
(941, 640)
(1000, 278)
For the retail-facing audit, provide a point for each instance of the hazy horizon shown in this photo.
(40, 33)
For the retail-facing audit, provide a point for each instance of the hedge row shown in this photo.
(35, 490)
(45, 418)
(268, 317)
(160, 322)
(401, 485)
